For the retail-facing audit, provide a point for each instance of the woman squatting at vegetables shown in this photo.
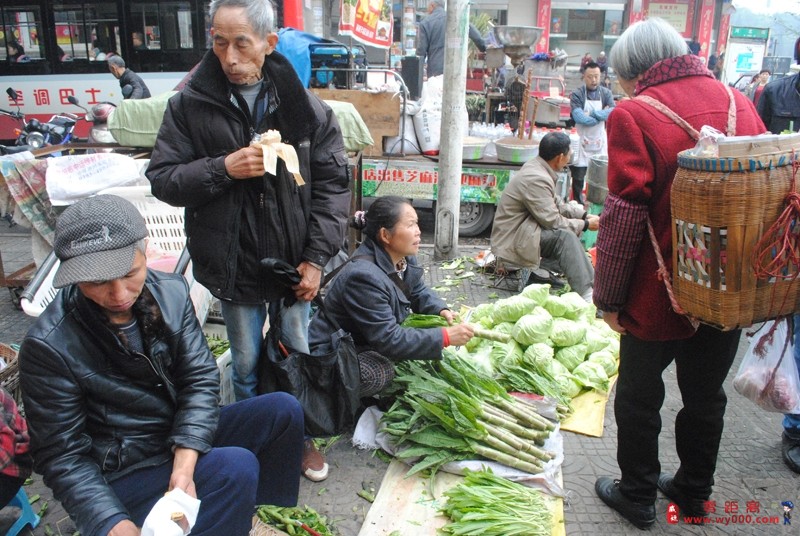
(380, 286)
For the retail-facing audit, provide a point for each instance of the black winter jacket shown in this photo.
(90, 421)
(780, 104)
(232, 224)
(140, 90)
(370, 306)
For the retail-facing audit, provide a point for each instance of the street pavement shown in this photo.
(751, 479)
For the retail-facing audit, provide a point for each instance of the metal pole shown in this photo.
(453, 113)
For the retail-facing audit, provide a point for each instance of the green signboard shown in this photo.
(750, 33)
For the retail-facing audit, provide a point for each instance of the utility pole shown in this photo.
(452, 130)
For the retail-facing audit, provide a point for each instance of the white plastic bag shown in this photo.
(161, 519)
(768, 374)
(72, 178)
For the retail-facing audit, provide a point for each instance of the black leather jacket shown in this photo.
(232, 224)
(780, 104)
(90, 421)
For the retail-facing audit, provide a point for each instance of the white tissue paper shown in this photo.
(159, 521)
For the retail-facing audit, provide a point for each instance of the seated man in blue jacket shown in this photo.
(122, 393)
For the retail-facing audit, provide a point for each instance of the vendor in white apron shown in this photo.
(591, 105)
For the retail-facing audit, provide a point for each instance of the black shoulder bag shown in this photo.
(326, 385)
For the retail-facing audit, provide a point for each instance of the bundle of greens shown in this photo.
(450, 411)
(488, 505)
(217, 345)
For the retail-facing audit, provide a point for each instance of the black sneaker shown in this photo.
(640, 515)
(691, 510)
(790, 449)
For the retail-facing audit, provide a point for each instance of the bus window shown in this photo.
(22, 27)
(165, 25)
(83, 31)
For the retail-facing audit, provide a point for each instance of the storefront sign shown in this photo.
(678, 13)
(638, 11)
(543, 21)
(367, 21)
(419, 180)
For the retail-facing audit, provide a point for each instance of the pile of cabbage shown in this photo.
(558, 346)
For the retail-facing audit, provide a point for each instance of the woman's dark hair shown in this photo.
(383, 213)
(552, 145)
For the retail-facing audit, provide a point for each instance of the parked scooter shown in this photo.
(34, 134)
(99, 116)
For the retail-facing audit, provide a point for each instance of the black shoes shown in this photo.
(790, 449)
(640, 515)
(691, 510)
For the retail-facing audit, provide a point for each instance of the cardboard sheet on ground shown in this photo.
(589, 412)
(409, 506)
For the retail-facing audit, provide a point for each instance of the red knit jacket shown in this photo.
(642, 159)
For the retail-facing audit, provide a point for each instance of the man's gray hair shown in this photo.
(116, 61)
(260, 13)
(643, 45)
(441, 3)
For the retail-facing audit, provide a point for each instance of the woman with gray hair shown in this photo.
(645, 134)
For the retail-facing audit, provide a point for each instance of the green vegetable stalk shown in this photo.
(489, 505)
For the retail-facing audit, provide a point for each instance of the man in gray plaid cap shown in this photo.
(122, 393)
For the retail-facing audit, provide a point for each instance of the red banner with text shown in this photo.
(367, 21)
(638, 11)
(543, 21)
(679, 13)
(706, 28)
(722, 36)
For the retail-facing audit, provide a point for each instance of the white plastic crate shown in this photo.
(165, 227)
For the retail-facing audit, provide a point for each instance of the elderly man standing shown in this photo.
(237, 211)
(122, 393)
(591, 105)
(126, 77)
(533, 223)
(431, 37)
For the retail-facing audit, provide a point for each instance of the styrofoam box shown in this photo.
(225, 364)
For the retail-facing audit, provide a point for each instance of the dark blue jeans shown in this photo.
(701, 363)
(255, 460)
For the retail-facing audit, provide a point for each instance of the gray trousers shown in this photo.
(563, 247)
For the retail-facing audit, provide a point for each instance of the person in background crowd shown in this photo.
(122, 392)
(431, 37)
(532, 223)
(591, 105)
(712, 63)
(719, 66)
(756, 86)
(62, 56)
(694, 46)
(126, 77)
(377, 290)
(651, 58)
(779, 108)
(602, 62)
(585, 60)
(238, 212)
(138, 41)
(16, 462)
(16, 54)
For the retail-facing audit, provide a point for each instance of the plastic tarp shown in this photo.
(294, 45)
(135, 122)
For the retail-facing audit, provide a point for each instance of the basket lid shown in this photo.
(688, 160)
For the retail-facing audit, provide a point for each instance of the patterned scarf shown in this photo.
(672, 69)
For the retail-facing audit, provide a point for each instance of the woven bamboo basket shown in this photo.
(720, 209)
(9, 376)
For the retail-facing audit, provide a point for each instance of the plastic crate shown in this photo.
(165, 226)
